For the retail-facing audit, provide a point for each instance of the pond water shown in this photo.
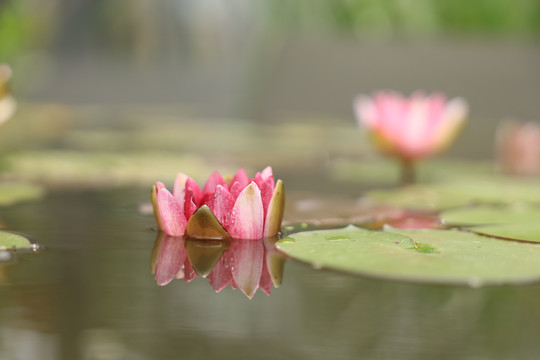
(90, 294)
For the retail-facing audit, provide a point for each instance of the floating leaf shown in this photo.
(482, 215)
(10, 241)
(519, 222)
(496, 190)
(517, 231)
(432, 256)
(67, 168)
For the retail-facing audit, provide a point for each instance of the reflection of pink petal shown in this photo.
(247, 220)
(412, 220)
(170, 258)
(170, 213)
(221, 275)
(189, 272)
(180, 274)
(247, 265)
(265, 283)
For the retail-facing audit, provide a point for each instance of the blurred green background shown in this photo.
(269, 59)
(96, 65)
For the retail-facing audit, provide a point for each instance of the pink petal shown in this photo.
(155, 189)
(179, 188)
(242, 178)
(247, 221)
(221, 205)
(247, 265)
(160, 185)
(193, 197)
(436, 107)
(265, 182)
(364, 109)
(213, 181)
(267, 173)
(455, 114)
(236, 188)
(221, 275)
(170, 213)
(415, 139)
(170, 258)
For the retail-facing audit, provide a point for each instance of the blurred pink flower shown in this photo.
(242, 208)
(410, 128)
(518, 148)
(245, 264)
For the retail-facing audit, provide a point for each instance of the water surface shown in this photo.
(91, 295)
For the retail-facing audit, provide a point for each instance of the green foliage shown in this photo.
(18, 29)
(441, 16)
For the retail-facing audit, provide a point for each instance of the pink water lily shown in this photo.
(241, 208)
(410, 128)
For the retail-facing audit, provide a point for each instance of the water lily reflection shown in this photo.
(247, 265)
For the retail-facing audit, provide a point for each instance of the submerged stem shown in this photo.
(408, 172)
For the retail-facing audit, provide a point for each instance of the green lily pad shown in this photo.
(426, 256)
(489, 215)
(63, 168)
(10, 241)
(517, 231)
(520, 222)
(496, 190)
(11, 193)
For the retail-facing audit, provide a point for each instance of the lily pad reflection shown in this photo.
(247, 265)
